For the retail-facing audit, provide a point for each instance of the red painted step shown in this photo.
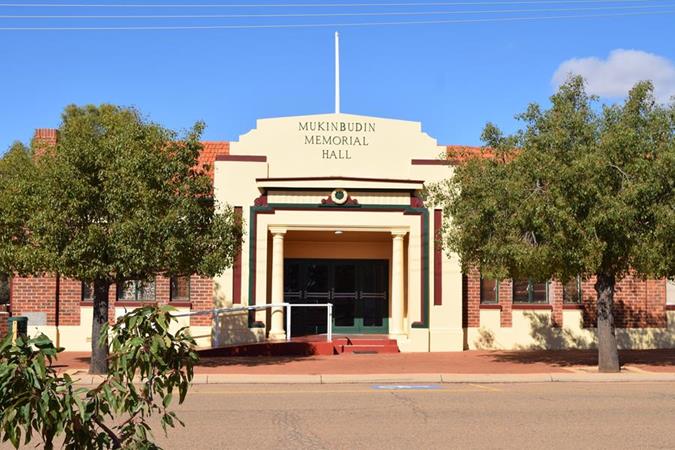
(369, 349)
(308, 346)
(366, 345)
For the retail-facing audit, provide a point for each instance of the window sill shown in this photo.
(125, 303)
(122, 303)
(180, 304)
(531, 306)
(573, 306)
(490, 306)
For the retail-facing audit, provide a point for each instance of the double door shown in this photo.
(358, 290)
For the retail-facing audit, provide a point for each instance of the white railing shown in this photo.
(288, 306)
(329, 317)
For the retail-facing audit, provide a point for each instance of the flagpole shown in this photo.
(337, 73)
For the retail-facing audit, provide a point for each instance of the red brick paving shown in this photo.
(468, 362)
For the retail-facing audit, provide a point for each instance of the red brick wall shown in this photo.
(34, 294)
(472, 285)
(638, 303)
(70, 294)
(506, 302)
(4, 315)
(201, 297)
(38, 294)
(555, 297)
(473, 298)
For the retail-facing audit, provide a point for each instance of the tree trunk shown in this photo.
(99, 353)
(608, 353)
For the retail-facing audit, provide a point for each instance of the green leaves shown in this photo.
(148, 363)
(30, 390)
(16, 172)
(577, 191)
(118, 197)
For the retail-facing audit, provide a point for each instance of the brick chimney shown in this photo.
(43, 139)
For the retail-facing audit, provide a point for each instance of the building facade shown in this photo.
(333, 209)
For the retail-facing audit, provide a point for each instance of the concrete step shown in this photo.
(368, 348)
(366, 341)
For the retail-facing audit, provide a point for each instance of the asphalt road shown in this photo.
(616, 415)
(546, 415)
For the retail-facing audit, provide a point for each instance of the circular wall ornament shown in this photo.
(339, 196)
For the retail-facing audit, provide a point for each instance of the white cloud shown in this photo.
(613, 77)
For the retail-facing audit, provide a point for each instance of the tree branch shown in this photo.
(625, 175)
(109, 432)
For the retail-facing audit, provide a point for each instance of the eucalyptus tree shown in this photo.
(148, 364)
(118, 198)
(580, 190)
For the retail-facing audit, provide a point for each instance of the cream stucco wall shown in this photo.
(532, 330)
(77, 338)
(376, 168)
(386, 153)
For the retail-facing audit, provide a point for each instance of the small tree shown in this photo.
(576, 192)
(16, 171)
(119, 198)
(148, 363)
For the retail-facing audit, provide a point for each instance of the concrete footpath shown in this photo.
(86, 379)
(455, 367)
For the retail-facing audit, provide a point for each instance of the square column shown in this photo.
(397, 286)
(277, 332)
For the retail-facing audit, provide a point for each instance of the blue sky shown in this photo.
(451, 77)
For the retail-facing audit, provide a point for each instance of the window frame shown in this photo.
(579, 300)
(6, 280)
(119, 288)
(496, 291)
(530, 293)
(172, 297)
(84, 287)
(670, 292)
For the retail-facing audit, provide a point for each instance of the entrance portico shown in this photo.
(356, 279)
(343, 217)
(360, 270)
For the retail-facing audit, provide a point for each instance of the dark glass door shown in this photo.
(356, 288)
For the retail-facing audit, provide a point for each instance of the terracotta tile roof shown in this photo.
(47, 137)
(212, 149)
(459, 153)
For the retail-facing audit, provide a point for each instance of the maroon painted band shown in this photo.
(242, 158)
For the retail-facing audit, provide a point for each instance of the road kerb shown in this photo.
(448, 378)
(496, 378)
(381, 378)
(262, 379)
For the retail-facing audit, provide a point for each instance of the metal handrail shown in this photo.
(215, 311)
(329, 317)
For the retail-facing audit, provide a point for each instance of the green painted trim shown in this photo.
(425, 267)
(405, 209)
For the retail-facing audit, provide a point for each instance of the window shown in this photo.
(87, 292)
(670, 291)
(136, 291)
(180, 289)
(529, 291)
(4, 289)
(489, 291)
(572, 291)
